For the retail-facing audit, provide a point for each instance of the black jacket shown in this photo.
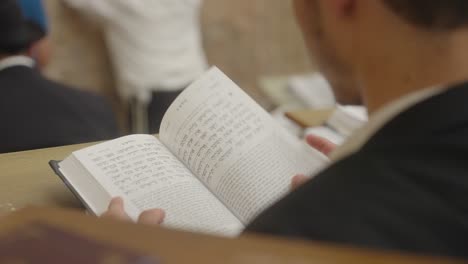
(406, 189)
(38, 113)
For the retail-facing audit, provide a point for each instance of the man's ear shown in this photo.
(31, 52)
(40, 51)
(342, 8)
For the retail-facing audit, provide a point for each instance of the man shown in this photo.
(36, 112)
(34, 12)
(401, 182)
(156, 50)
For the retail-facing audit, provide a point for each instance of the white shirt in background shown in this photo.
(155, 45)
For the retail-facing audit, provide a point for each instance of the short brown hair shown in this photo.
(432, 14)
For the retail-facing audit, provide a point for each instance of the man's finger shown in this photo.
(298, 181)
(152, 217)
(116, 211)
(321, 144)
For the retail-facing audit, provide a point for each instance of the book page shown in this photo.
(233, 146)
(142, 171)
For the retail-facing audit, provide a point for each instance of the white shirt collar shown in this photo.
(13, 61)
(379, 119)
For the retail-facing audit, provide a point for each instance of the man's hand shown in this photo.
(321, 144)
(297, 181)
(116, 211)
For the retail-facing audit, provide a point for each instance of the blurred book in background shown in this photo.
(347, 119)
(312, 90)
(305, 105)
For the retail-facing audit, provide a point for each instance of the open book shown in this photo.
(219, 161)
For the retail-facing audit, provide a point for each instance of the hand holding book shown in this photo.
(219, 161)
(321, 144)
(156, 216)
(116, 209)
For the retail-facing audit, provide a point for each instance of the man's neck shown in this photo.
(414, 69)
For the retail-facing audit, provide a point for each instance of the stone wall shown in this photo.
(246, 39)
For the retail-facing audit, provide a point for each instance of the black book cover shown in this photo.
(55, 165)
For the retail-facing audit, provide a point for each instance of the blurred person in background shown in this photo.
(156, 50)
(36, 112)
(34, 13)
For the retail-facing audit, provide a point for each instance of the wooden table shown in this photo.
(179, 247)
(26, 179)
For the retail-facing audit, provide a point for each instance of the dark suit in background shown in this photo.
(38, 113)
(406, 189)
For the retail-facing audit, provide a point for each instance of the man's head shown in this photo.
(353, 39)
(432, 15)
(18, 35)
